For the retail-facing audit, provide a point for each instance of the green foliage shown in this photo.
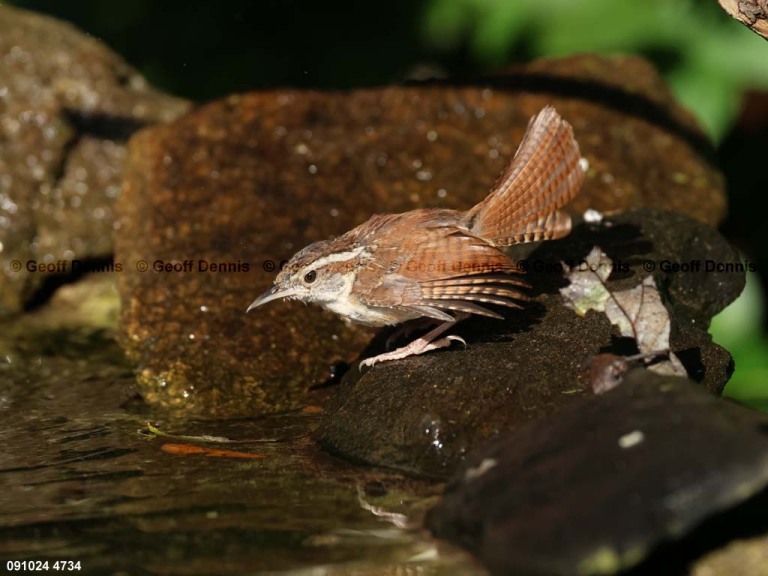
(707, 57)
(739, 329)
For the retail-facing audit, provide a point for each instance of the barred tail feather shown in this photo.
(544, 175)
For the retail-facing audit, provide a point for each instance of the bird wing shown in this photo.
(430, 264)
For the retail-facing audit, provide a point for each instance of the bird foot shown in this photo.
(418, 346)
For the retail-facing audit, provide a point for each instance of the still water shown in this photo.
(80, 482)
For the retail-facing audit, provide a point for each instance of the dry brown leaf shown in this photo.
(638, 312)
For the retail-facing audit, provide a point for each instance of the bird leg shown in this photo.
(407, 328)
(422, 344)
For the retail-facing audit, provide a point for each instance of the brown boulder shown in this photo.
(67, 106)
(246, 181)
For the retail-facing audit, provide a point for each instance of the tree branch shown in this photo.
(752, 13)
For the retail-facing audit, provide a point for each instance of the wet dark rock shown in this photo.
(67, 106)
(424, 414)
(699, 271)
(249, 180)
(598, 487)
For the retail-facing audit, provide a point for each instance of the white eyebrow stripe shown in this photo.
(337, 257)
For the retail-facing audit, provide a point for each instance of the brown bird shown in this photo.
(443, 264)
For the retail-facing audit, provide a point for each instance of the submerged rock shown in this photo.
(424, 414)
(67, 106)
(596, 488)
(245, 182)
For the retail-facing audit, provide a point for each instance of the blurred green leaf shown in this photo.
(708, 58)
(738, 328)
(499, 26)
(447, 22)
(742, 320)
(608, 26)
(714, 103)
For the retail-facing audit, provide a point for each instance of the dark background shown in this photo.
(202, 50)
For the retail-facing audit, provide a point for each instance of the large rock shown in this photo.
(67, 106)
(249, 180)
(424, 414)
(598, 487)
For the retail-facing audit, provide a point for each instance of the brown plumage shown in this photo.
(544, 175)
(443, 267)
(438, 263)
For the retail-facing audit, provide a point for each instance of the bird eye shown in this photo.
(310, 276)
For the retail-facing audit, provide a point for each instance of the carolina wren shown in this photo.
(443, 264)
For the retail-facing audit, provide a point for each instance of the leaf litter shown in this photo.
(638, 313)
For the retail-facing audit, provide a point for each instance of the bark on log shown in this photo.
(752, 13)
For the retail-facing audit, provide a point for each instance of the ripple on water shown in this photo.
(84, 485)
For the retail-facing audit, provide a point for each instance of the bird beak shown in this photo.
(273, 293)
